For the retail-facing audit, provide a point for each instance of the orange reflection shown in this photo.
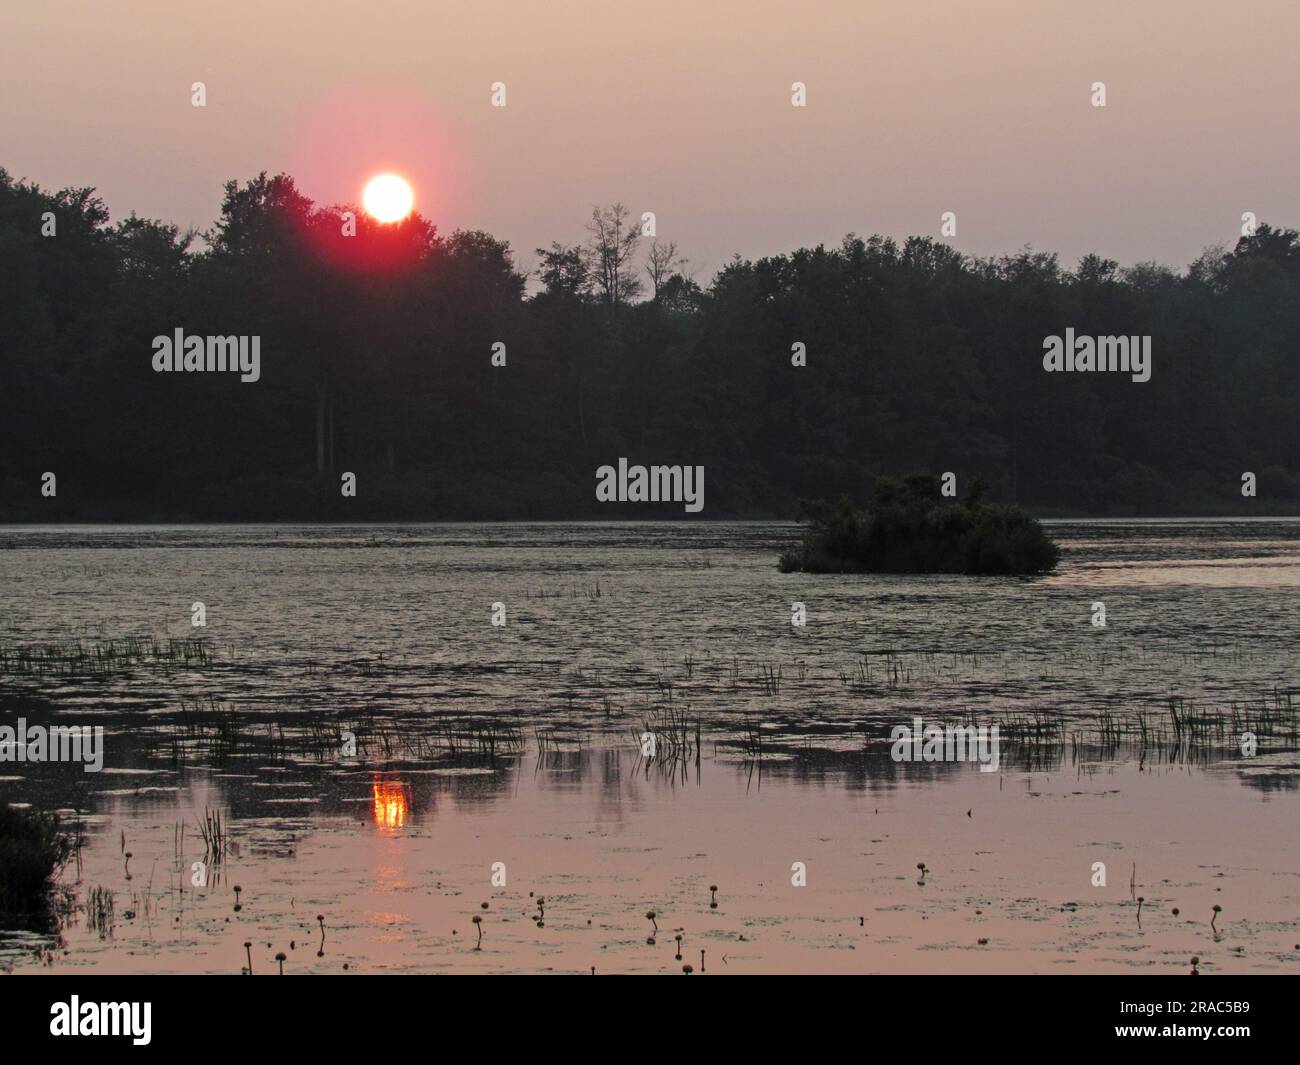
(392, 800)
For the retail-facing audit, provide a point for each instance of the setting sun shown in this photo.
(388, 198)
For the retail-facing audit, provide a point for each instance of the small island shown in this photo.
(908, 526)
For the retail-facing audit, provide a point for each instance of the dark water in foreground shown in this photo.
(520, 745)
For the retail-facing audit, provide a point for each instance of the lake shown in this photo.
(385, 760)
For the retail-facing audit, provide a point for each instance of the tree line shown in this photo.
(381, 348)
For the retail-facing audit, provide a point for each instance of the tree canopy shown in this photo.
(377, 348)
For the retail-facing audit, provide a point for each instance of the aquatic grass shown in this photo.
(98, 907)
(1171, 728)
(223, 733)
(677, 740)
(1184, 733)
(75, 658)
(212, 830)
(752, 740)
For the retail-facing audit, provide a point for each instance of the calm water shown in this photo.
(519, 744)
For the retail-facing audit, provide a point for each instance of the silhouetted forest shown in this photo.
(376, 358)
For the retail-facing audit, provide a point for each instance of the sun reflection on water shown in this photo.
(392, 801)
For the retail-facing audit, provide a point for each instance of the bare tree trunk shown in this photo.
(1015, 464)
(321, 397)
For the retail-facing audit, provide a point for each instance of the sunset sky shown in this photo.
(914, 108)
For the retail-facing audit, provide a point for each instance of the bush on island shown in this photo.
(909, 527)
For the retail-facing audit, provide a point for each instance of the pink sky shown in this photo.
(915, 107)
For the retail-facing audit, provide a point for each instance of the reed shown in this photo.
(98, 907)
(212, 830)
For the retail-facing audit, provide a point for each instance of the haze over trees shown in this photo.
(376, 358)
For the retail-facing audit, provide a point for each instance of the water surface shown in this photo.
(520, 744)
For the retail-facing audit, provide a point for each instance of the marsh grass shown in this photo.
(1177, 733)
(677, 741)
(769, 678)
(98, 658)
(98, 908)
(212, 830)
(209, 730)
(1183, 733)
(1175, 728)
(584, 701)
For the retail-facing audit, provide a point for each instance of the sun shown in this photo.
(388, 198)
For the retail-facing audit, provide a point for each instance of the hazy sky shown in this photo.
(915, 107)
